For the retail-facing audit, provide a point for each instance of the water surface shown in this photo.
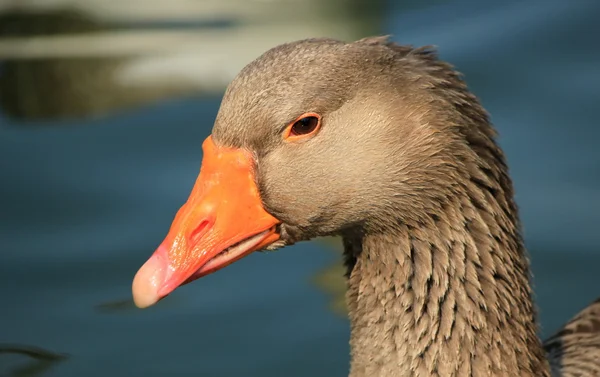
(84, 203)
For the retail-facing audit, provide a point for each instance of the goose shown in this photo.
(383, 145)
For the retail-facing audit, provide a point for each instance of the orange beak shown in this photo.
(222, 221)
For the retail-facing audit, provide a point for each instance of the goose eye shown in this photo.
(306, 125)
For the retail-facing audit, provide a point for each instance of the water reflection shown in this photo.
(331, 279)
(37, 360)
(55, 87)
(83, 206)
(93, 60)
(100, 57)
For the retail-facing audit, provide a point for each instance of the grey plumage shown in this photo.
(407, 170)
(574, 351)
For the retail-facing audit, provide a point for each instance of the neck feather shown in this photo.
(438, 277)
(449, 296)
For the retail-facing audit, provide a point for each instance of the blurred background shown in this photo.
(104, 105)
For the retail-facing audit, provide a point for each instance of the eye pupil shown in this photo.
(305, 125)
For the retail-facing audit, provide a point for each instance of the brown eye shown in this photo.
(304, 126)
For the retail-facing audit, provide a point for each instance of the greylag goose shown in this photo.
(385, 146)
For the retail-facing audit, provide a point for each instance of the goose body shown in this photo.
(385, 146)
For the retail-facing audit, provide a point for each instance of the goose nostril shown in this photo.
(200, 230)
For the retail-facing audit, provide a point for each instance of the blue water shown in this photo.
(83, 205)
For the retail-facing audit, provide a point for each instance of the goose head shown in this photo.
(318, 138)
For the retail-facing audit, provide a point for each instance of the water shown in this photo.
(84, 203)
